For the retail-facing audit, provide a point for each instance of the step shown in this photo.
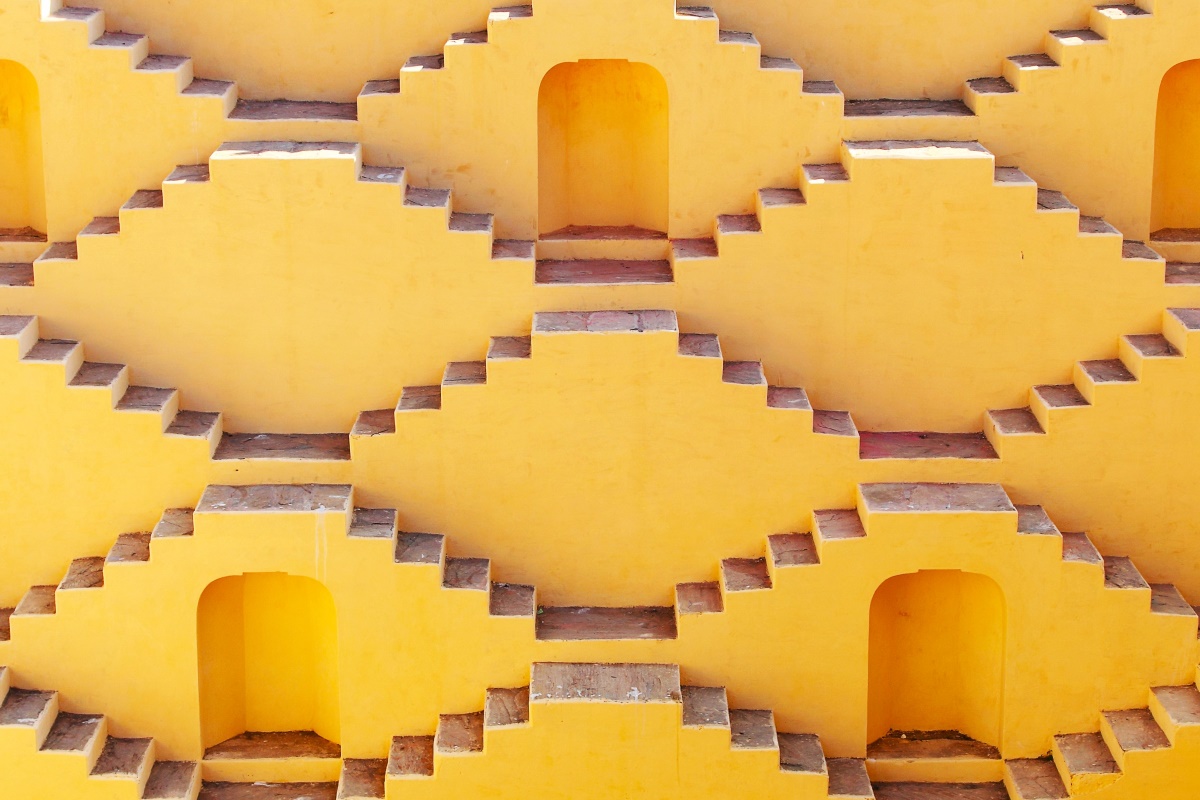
(362, 779)
(296, 498)
(602, 272)
(261, 790)
(32, 710)
(76, 733)
(1177, 244)
(512, 600)
(590, 242)
(699, 598)
(293, 110)
(469, 574)
(283, 447)
(801, 752)
(1178, 274)
(745, 574)
(920, 498)
(1131, 730)
(903, 445)
(1121, 573)
(1034, 521)
(848, 779)
(606, 683)
(459, 734)
(1078, 548)
(940, 791)
(940, 756)
(506, 708)
(1084, 762)
(1176, 708)
(752, 729)
(16, 275)
(273, 757)
(1034, 779)
(590, 623)
(410, 757)
(837, 524)
(125, 758)
(172, 780)
(907, 108)
(793, 550)
(705, 707)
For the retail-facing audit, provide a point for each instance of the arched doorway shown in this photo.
(268, 661)
(602, 146)
(22, 185)
(1175, 214)
(937, 656)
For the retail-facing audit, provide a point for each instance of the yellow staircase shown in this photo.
(599, 398)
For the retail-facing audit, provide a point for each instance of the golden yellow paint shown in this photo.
(22, 194)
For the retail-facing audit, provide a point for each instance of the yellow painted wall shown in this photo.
(22, 193)
(937, 655)
(602, 146)
(1176, 168)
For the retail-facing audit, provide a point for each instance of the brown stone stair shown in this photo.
(85, 737)
(1136, 354)
(149, 201)
(1020, 72)
(700, 346)
(162, 406)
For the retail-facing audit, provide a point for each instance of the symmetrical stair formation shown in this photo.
(589, 537)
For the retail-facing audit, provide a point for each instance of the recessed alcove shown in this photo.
(1175, 214)
(22, 185)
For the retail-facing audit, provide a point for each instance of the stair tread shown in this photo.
(411, 756)
(801, 752)
(92, 373)
(699, 345)
(848, 778)
(582, 233)
(377, 422)
(834, 423)
(1136, 729)
(1182, 703)
(1165, 598)
(1077, 36)
(420, 398)
(513, 248)
(705, 707)
(1086, 753)
(144, 198)
(420, 548)
(84, 573)
(949, 745)
(22, 235)
(694, 248)
(839, 523)
(254, 745)
(5, 624)
(1152, 345)
(50, 350)
(1188, 317)
(745, 574)
(738, 223)
(1179, 272)
(194, 423)
(1053, 200)
(752, 729)
(170, 780)
(16, 274)
(363, 778)
(926, 497)
(122, 756)
(459, 733)
(283, 446)
(1034, 520)
(72, 732)
(37, 600)
(793, 549)
(264, 110)
(612, 683)
(465, 373)
(781, 197)
(940, 791)
(1121, 573)
(916, 445)
(580, 623)
(506, 707)
(467, 573)
(1079, 548)
(145, 398)
(162, 62)
(512, 600)
(907, 108)
(699, 598)
(24, 707)
(791, 398)
(1139, 250)
(1037, 779)
(605, 322)
(991, 85)
(373, 523)
(504, 347)
(1107, 371)
(304, 497)
(602, 271)
(222, 790)
(174, 522)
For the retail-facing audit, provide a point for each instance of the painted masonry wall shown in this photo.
(877, 414)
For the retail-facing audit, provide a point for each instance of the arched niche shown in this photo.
(22, 185)
(936, 658)
(1175, 214)
(603, 146)
(267, 647)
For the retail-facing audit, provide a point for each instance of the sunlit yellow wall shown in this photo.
(22, 192)
(602, 146)
(221, 643)
(937, 655)
(1177, 144)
